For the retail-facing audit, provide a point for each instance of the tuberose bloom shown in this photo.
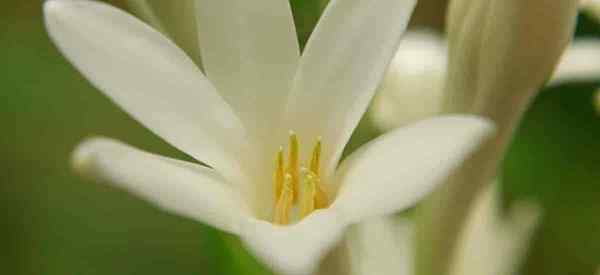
(413, 87)
(270, 124)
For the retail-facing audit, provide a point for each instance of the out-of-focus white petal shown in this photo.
(341, 66)
(413, 85)
(592, 7)
(397, 169)
(381, 246)
(250, 52)
(580, 62)
(149, 77)
(176, 19)
(144, 10)
(494, 243)
(295, 249)
(182, 188)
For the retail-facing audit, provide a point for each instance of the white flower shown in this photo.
(260, 89)
(493, 242)
(500, 54)
(413, 87)
(592, 7)
(382, 246)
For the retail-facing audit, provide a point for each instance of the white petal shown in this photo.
(343, 62)
(576, 64)
(176, 19)
(592, 7)
(250, 52)
(149, 77)
(381, 246)
(492, 242)
(296, 249)
(414, 83)
(144, 10)
(397, 169)
(182, 188)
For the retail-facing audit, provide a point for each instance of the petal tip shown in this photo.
(85, 154)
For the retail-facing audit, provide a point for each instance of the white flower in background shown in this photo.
(500, 54)
(291, 205)
(413, 86)
(493, 242)
(382, 246)
(592, 7)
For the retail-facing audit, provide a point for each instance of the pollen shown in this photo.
(296, 186)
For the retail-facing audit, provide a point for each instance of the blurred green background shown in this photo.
(55, 223)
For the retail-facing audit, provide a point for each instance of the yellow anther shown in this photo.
(292, 168)
(284, 203)
(308, 194)
(278, 177)
(315, 160)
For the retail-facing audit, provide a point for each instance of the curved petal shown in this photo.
(576, 65)
(182, 188)
(342, 64)
(414, 83)
(144, 10)
(149, 77)
(492, 242)
(176, 19)
(399, 168)
(381, 246)
(295, 249)
(250, 52)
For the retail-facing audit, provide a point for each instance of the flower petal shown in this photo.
(342, 64)
(176, 19)
(250, 52)
(575, 64)
(149, 77)
(414, 83)
(179, 187)
(491, 242)
(295, 249)
(144, 10)
(381, 246)
(397, 169)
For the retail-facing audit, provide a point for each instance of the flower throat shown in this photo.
(295, 186)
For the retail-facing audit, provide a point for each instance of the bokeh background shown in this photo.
(54, 223)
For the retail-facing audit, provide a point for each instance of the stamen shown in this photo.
(292, 168)
(278, 178)
(321, 200)
(284, 203)
(288, 182)
(308, 194)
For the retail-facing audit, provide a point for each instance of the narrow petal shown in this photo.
(576, 65)
(250, 52)
(382, 246)
(342, 64)
(296, 249)
(399, 168)
(149, 77)
(176, 19)
(182, 188)
(144, 10)
(492, 242)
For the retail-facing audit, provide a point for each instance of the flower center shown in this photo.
(295, 186)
